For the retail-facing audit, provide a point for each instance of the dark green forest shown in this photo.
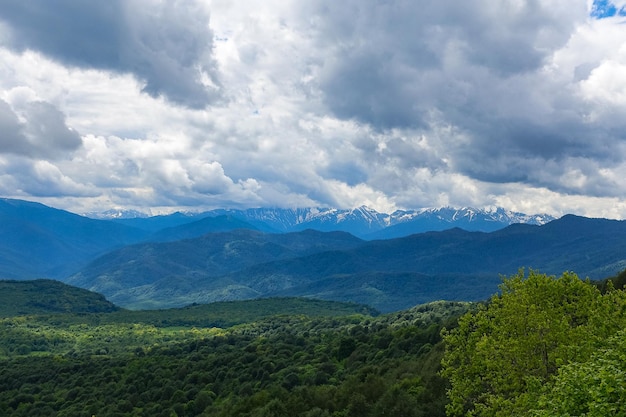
(274, 357)
(542, 346)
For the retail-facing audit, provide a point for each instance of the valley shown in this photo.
(176, 260)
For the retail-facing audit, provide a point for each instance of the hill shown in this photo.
(37, 241)
(171, 274)
(386, 274)
(408, 222)
(41, 296)
(225, 314)
(152, 223)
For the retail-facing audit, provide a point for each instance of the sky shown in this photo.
(162, 105)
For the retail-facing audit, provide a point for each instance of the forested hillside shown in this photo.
(323, 360)
(542, 346)
(42, 296)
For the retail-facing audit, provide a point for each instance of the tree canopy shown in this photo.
(510, 356)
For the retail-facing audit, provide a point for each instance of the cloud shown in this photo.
(25, 177)
(481, 82)
(389, 64)
(12, 139)
(166, 45)
(281, 103)
(39, 131)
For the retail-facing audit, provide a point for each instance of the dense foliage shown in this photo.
(280, 365)
(44, 296)
(594, 388)
(544, 346)
(123, 330)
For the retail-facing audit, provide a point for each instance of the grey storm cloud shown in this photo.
(42, 134)
(346, 171)
(166, 45)
(392, 62)
(12, 139)
(476, 66)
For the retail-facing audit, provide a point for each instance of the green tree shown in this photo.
(499, 357)
(596, 388)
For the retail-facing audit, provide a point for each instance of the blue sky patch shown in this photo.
(602, 9)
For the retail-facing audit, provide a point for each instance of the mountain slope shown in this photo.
(405, 223)
(369, 224)
(593, 247)
(37, 241)
(173, 270)
(387, 274)
(155, 223)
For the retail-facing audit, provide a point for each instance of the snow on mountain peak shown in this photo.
(366, 222)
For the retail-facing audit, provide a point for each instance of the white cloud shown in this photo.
(392, 105)
(39, 178)
(166, 46)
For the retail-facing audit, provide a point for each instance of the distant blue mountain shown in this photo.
(405, 223)
(387, 274)
(152, 223)
(37, 241)
(200, 227)
(363, 222)
(179, 259)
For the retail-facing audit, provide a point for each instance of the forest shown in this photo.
(543, 345)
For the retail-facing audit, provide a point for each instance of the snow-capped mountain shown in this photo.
(117, 214)
(468, 215)
(370, 224)
(358, 221)
(403, 223)
(362, 221)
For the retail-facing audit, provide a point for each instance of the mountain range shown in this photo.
(387, 274)
(179, 259)
(363, 222)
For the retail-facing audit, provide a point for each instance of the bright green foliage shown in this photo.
(124, 330)
(500, 357)
(596, 388)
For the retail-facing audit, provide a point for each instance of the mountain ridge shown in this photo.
(386, 274)
(362, 221)
(221, 257)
